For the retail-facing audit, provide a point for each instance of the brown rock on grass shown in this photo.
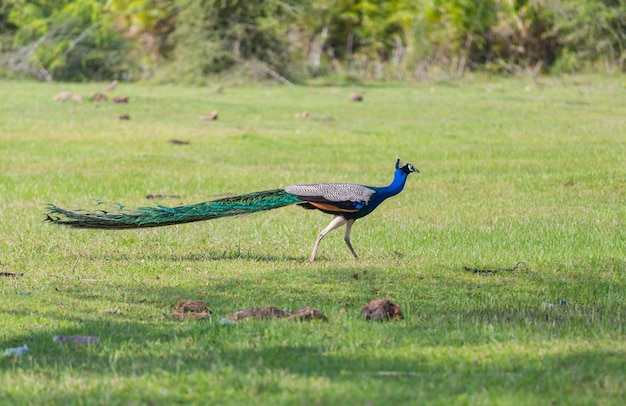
(356, 97)
(191, 309)
(382, 309)
(63, 96)
(98, 97)
(266, 313)
(208, 117)
(307, 313)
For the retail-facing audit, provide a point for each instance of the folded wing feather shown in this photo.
(345, 196)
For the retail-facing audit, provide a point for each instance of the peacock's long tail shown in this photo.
(158, 216)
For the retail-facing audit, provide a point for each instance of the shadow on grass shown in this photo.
(143, 337)
(200, 257)
(134, 349)
(591, 301)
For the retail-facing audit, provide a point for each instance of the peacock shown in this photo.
(347, 202)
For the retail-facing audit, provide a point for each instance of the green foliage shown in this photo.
(463, 22)
(498, 35)
(367, 28)
(67, 40)
(187, 41)
(148, 23)
(591, 31)
(212, 36)
(7, 31)
(519, 38)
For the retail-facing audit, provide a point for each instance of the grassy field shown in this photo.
(512, 172)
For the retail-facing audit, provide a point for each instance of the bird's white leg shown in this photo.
(336, 222)
(346, 238)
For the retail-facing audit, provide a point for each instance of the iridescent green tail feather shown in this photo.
(158, 216)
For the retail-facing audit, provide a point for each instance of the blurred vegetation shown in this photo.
(190, 41)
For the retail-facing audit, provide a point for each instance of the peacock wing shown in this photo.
(342, 196)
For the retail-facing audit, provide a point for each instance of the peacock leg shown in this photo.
(336, 222)
(346, 238)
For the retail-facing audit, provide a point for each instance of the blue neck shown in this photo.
(382, 193)
(399, 179)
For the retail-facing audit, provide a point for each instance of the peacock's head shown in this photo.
(407, 168)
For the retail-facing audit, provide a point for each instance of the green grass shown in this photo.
(510, 172)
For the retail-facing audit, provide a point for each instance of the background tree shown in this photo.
(147, 23)
(66, 40)
(213, 36)
(591, 31)
(191, 40)
(455, 31)
(521, 37)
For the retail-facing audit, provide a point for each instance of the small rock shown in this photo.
(356, 97)
(307, 313)
(77, 339)
(225, 321)
(192, 309)
(382, 309)
(159, 196)
(208, 117)
(266, 313)
(122, 117)
(120, 100)
(178, 142)
(98, 97)
(16, 351)
(63, 96)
